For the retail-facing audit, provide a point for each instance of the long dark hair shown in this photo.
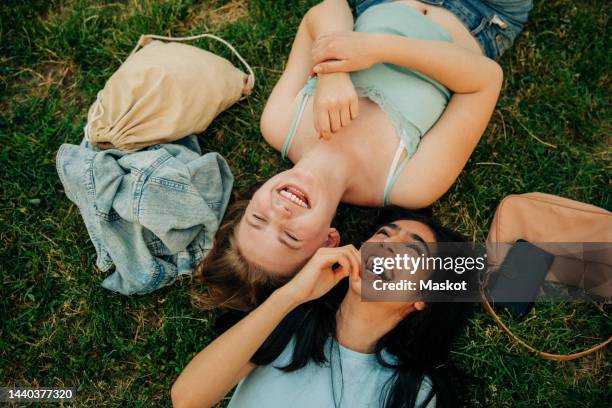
(420, 343)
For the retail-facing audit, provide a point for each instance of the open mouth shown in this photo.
(295, 195)
(386, 274)
(369, 266)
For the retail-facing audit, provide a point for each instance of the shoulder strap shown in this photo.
(539, 353)
(294, 125)
(394, 172)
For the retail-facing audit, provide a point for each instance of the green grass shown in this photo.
(60, 328)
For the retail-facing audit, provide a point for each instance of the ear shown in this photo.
(333, 238)
(419, 306)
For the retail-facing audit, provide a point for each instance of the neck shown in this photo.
(361, 324)
(329, 166)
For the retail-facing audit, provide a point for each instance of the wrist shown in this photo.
(331, 75)
(287, 297)
(375, 46)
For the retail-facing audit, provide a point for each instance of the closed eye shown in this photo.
(383, 231)
(259, 218)
(293, 237)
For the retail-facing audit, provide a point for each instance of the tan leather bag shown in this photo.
(163, 92)
(543, 218)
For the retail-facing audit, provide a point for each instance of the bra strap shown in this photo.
(294, 125)
(394, 172)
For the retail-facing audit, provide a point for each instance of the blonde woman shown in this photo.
(398, 102)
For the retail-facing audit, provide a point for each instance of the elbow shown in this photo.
(183, 398)
(491, 78)
(178, 397)
(497, 75)
(308, 17)
(311, 15)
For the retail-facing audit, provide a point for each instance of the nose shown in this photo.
(281, 208)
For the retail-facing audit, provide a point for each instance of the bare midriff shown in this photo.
(444, 18)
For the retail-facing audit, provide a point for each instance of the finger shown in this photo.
(354, 108)
(319, 51)
(329, 259)
(334, 120)
(345, 116)
(316, 52)
(323, 120)
(353, 263)
(345, 266)
(341, 274)
(328, 67)
(355, 259)
(355, 252)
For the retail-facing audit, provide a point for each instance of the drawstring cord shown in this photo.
(144, 39)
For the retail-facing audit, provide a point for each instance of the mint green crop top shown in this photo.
(413, 101)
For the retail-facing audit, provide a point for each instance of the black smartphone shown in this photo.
(519, 279)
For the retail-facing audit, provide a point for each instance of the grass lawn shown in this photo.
(551, 132)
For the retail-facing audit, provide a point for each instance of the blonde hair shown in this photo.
(231, 281)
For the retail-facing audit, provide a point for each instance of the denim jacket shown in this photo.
(152, 213)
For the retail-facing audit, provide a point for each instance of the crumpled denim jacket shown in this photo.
(152, 213)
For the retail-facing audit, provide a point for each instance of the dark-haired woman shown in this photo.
(336, 351)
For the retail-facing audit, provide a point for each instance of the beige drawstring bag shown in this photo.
(163, 92)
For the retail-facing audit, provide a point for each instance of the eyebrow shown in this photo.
(418, 238)
(392, 225)
(279, 237)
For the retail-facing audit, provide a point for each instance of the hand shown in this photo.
(335, 104)
(318, 276)
(343, 51)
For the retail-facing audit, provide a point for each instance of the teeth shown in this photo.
(287, 194)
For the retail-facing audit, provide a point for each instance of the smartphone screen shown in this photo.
(519, 279)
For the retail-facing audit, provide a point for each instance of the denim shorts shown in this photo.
(493, 23)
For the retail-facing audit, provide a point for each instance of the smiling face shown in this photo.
(286, 221)
(413, 234)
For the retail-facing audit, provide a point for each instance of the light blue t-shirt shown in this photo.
(359, 381)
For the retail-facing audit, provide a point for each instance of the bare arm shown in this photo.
(460, 70)
(443, 152)
(325, 18)
(216, 369)
(220, 366)
(476, 81)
